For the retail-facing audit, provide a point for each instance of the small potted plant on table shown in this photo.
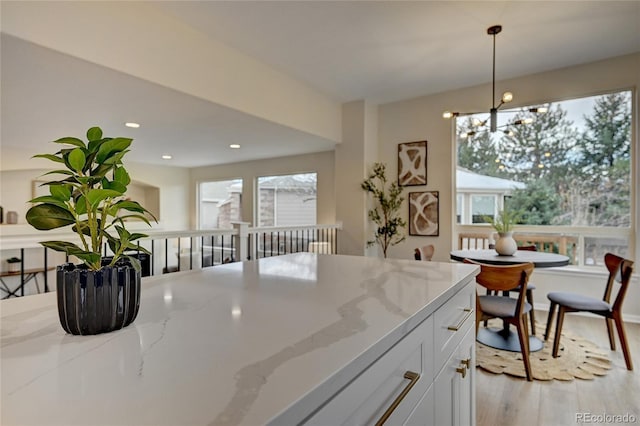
(503, 223)
(99, 295)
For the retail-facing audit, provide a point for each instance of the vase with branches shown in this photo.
(387, 200)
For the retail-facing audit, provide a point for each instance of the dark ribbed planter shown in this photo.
(94, 302)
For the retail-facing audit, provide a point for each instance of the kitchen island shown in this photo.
(300, 338)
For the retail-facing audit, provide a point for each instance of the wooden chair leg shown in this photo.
(523, 335)
(623, 342)
(552, 311)
(486, 322)
(556, 339)
(612, 340)
(532, 315)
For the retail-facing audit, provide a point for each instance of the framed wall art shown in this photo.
(424, 213)
(412, 163)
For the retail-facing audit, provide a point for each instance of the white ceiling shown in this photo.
(380, 51)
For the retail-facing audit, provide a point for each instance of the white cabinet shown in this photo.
(454, 386)
(426, 378)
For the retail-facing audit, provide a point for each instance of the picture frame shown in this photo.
(424, 213)
(412, 163)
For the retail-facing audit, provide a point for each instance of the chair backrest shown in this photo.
(531, 247)
(620, 271)
(424, 252)
(505, 278)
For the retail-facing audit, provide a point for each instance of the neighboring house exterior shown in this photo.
(479, 195)
(287, 200)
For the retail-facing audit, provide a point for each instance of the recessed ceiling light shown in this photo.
(234, 146)
(166, 157)
(132, 125)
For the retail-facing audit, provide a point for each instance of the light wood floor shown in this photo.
(503, 400)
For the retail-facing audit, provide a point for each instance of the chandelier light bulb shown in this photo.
(476, 122)
(447, 114)
(507, 97)
(527, 120)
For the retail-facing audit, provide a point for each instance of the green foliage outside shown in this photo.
(573, 176)
(385, 213)
(90, 198)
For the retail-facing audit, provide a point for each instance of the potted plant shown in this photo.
(389, 225)
(503, 223)
(14, 264)
(99, 295)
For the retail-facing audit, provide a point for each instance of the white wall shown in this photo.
(322, 163)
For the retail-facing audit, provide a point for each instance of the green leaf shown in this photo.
(49, 216)
(121, 176)
(137, 236)
(77, 159)
(101, 170)
(82, 228)
(63, 246)
(59, 172)
(94, 134)
(115, 158)
(49, 157)
(81, 205)
(95, 145)
(95, 196)
(111, 147)
(116, 186)
(60, 192)
(132, 206)
(90, 258)
(134, 262)
(133, 216)
(48, 199)
(71, 141)
(122, 233)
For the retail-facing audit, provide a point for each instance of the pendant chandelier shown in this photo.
(506, 98)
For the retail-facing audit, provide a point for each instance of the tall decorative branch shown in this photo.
(387, 201)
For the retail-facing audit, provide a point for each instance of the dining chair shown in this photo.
(620, 270)
(528, 293)
(424, 252)
(514, 311)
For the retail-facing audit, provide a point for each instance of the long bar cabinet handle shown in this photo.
(413, 379)
(457, 327)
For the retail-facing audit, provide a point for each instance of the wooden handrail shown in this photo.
(566, 244)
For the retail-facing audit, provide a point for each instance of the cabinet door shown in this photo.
(422, 415)
(467, 401)
(454, 386)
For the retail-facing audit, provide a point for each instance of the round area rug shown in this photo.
(577, 358)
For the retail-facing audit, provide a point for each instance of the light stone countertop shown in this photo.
(243, 343)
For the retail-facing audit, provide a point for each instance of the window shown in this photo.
(481, 207)
(220, 203)
(287, 200)
(569, 170)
